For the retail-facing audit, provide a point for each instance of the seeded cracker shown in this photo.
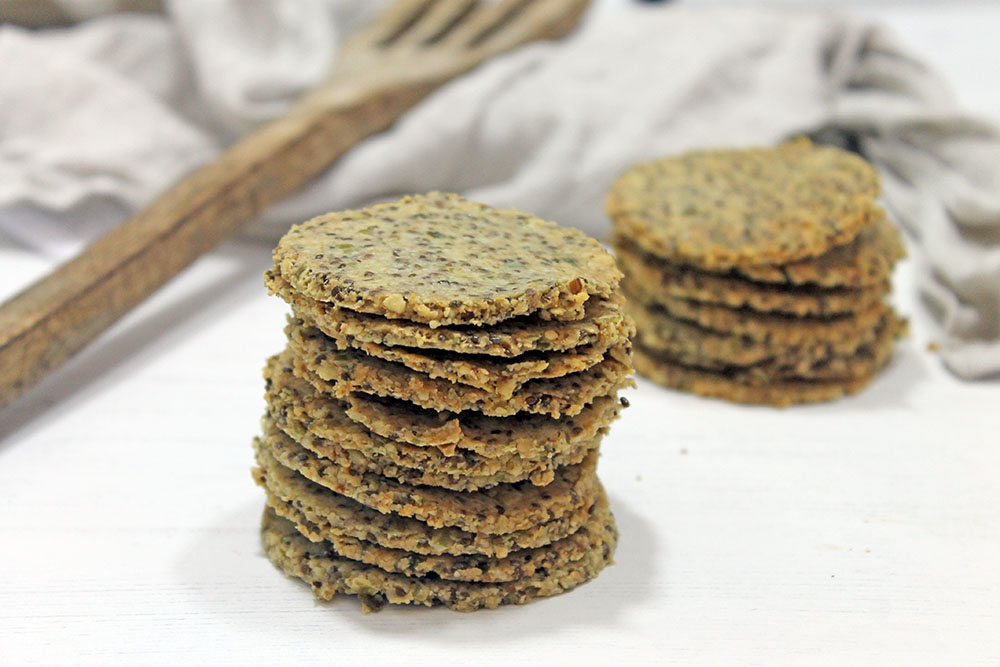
(672, 280)
(717, 385)
(866, 261)
(705, 325)
(441, 260)
(478, 568)
(321, 514)
(346, 371)
(433, 425)
(500, 509)
(700, 346)
(526, 435)
(330, 574)
(789, 364)
(725, 208)
(758, 275)
(427, 465)
(323, 427)
(775, 328)
(498, 376)
(603, 323)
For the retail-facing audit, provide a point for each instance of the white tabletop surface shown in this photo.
(865, 531)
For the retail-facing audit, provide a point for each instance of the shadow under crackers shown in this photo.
(226, 570)
(599, 602)
(227, 573)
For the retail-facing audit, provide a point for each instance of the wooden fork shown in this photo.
(381, 71)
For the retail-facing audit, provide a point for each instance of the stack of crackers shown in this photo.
(432, 427)
(760, 275)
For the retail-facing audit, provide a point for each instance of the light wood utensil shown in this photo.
(381, 71)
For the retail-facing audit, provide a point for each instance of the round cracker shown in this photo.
(340, 373)
(718, 385)
(320, 514)
(501, 509)
(470, 567)
(440, 259)
(602, 323)
(660, 278)
(774, 329)
(867, 260)
(718, 209)
(331, 574)
(324, 426)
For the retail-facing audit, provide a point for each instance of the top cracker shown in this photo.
(719, 209)
(440, 259)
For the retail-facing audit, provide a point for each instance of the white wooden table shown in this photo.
(861, 531)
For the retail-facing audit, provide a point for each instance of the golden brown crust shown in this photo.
(320, 514)
(662, 280)
(769, 328)
(866, 261)
(323, 426)
(602, 323)
(498, 376)
(500, 509)
(470, 567)
(529, 436)
(441, 260)
(344, 372)
(717, 385)
(696, 345)
(718, 209)
(331, 574)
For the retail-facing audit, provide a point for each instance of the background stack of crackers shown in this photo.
(432, 427)
(758, 275)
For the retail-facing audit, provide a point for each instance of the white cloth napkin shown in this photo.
(97, 119)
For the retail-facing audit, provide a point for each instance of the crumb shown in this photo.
(934, 346)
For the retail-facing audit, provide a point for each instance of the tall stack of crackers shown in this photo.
(433, 425)
(758, 275)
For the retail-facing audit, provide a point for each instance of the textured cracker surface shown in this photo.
(717, 385)
(321, 514)
(440, 259)
(660, 278)
(348, 371)
(456, 472)
(703, 347)
(330, 574)
(491, 374)
(770, 328)
(603, 323)
(723, 208)
(529, 436)
(790, 365)
(514, 566)
(323, 426)
(863, 262)
(500, 509)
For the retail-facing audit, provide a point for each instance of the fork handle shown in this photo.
(48, 322)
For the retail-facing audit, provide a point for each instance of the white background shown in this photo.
(865, 531)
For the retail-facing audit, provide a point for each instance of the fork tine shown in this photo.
(509, 23)
(541, 19)
(438, 21)
(486, 17)
(387, 25)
